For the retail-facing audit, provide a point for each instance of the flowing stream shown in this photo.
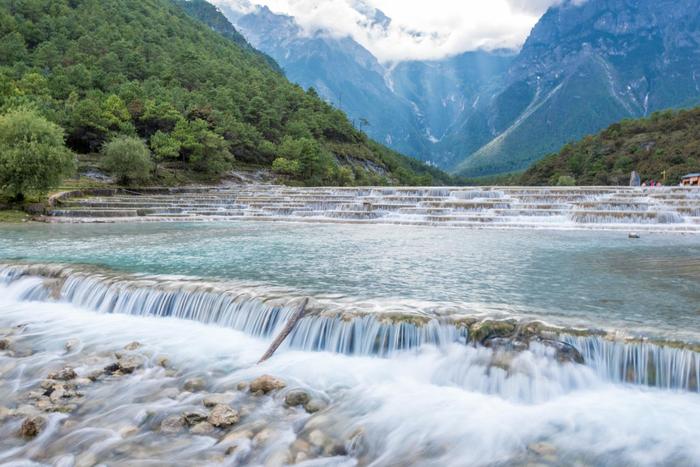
(421, 346)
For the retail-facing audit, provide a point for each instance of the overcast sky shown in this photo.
(420, 29)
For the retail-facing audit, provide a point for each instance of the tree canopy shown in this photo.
(144, 68)
(663, 147)
(33, 156)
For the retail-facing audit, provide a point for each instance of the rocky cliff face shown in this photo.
(586, 65)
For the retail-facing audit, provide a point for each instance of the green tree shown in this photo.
(164, 147)
(207, 151)
(128, 159)
(33, 155)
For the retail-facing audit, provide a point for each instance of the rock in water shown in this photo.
(213, 400)
(296, 397)
(266, 384)
(128, 363)
(202, 428)
(194, 417)
(66, 374)
(5, 344)
(194, 384)
(223, 416)
(172, 424)
(132, 346)
(32, 426)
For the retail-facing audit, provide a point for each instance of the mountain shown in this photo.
(200, 99)
(664, 142)
(410, 106)
(584, 66)
(208, 14)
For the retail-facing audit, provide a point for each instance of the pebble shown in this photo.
(296, 397)
(215, 399)
(5, 344)
(315, 405)
(192, 417)
(202, 428)
(132, 346)
(71, 344)
(194, 384)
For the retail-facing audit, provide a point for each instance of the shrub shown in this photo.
(566, 180)
(128, 159)
(33, 155)
(286, 167)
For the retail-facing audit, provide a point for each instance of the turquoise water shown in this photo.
(599, 279)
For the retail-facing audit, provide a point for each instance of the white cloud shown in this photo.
(419, 29)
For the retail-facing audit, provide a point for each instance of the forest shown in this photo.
(145, 75)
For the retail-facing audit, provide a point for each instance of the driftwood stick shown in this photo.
(288, 328)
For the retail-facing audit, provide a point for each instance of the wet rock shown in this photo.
(223, 416)
(318, 438)
(163, 361)
(315, 405)
(202, 428)
(483, 330)
(83, 381)
(170, 393)
(194, 384)
(242, 386)
(172, 424)
(5, 344)
(97, 374)
(192, 417)
(301, 457)
(296, 398)
(266, 384)
(132, 346)
(32, 426)
(4, 413)
(213, 400)
(130, 362)
(566, 353)
(86, 459)
(71, 345)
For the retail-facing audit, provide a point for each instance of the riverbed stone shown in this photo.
(202, 428)
(172, 424)
(213, 400)
(5, 344)
(130, 362)
(315, 405)
(236, 436)
(296, 397)
(32, 426)
(223, 416)
(162, 360)
(194, 384)
(266, 384)
(192, 417)
(263, 436)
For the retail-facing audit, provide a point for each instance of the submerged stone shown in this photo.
(266, 384)
(296, 397)
(32, 426)
(172, 424)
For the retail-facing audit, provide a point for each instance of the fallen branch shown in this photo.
(288, 328)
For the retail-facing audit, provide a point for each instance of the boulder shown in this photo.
(296, 398)
(32, 426)
(483, 330)
(223, 416)
(172, 424)
(265, 384)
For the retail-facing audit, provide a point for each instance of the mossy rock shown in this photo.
(483, 330)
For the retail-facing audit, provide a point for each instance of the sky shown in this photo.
(419, 29)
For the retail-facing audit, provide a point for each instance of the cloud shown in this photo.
(418, 29)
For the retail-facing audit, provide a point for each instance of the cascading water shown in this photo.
(346, 333)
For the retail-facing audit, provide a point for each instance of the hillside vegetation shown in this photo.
(201, 101)
(665, 142)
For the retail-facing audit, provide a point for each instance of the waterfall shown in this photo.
(640, 363)
(351, 333)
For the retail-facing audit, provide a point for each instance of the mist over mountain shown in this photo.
(584, 66)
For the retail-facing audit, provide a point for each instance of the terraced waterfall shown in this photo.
(552, 340)
(658, 208)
